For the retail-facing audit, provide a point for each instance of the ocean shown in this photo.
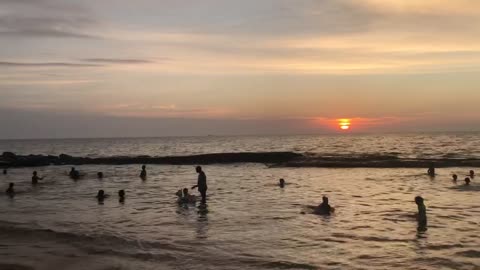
(249, 222)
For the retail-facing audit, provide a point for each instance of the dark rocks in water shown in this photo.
(217, 158)
(8, 155)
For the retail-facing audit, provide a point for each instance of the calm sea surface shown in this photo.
(249, 222)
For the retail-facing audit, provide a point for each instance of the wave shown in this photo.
(273, 159)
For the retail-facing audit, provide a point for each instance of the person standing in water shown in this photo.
(201, 184)
(10, 191)
(431, 170)
(35, 178)
(143, 173)
(422, 213)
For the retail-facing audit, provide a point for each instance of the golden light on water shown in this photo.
(344, 124)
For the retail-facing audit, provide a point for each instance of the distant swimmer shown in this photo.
(4, 171)
(10, 191)
(422, 213)
(431, 170)
(101, 195)
(143, 173)
(201, 184)
(100, 175)
(467, 181)
(281, 182)
(324, 208)
(121, 196)
(74, 174)
(35, 178)
(472, 174)
(454, 177)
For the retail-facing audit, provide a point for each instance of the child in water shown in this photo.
(143, 173)
(422, 213)
(472, 174)
(121, 196)
(101, 195)
(10, 191)
(467, 181)
(454, 177)
(35, 178)
(324, 208)
(281, 183)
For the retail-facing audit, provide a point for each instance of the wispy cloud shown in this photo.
(118, 61)
(45, 64)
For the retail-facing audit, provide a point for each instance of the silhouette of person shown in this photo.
(74, 174)
(100, 175)
(143, 173)
(324, 208)
(431, 170)
(454, 177)
(281, 182)
(4, 171)
(467, 181)
(201, 184)
(422, 213)
(472, 174)
(35, 178)
(101, 195)
(10, 191)
(187, 197)
(121, 196)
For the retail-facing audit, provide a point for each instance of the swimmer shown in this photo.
(188, 198)
(10, 191)
(101, 195)
(4, 171)
(324, 208)
(472, 174)
(143, 173)
(100, 175)
(454, 177)
(121, 196)
(431, 170)
(467, 181)
(422, 213)
(281, 182)
(35, 178)
(74, 174)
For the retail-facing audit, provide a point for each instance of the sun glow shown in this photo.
(344, 124)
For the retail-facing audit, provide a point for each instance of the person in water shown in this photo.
(143, 173)
(422, 213)
(101, 195)
(467, 181)
(74, 174)
(324, 208)
(281, 182)
(187, 197)
(454, 177)
(4, 171)
(121, 196)
(431, 170)
(472, 174)
(201, 184)
(10, 191)
(100, 175)
(35, 178)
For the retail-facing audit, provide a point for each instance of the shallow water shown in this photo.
(250, 222)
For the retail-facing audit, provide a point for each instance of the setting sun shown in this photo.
(344, 124)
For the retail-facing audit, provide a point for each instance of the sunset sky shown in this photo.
(161, 68)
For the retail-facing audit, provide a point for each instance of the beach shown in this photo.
(249, 222)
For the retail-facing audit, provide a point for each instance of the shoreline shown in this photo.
(272, 159)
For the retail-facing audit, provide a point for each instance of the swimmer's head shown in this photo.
(73, 169)
(144, 167)
(100, 174)
(198, 169)
(325, 199)
(121, 193)
(455, 177)
(100, 193)
(34, 172)
(179, 193)
(185, 192)
(11, 185)
(418, 200)
(472, 173)
(281, 182)
(467, 181)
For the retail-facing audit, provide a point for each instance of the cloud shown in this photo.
(45, 64)
(118, 61)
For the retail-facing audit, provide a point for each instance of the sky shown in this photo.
(121, 68)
